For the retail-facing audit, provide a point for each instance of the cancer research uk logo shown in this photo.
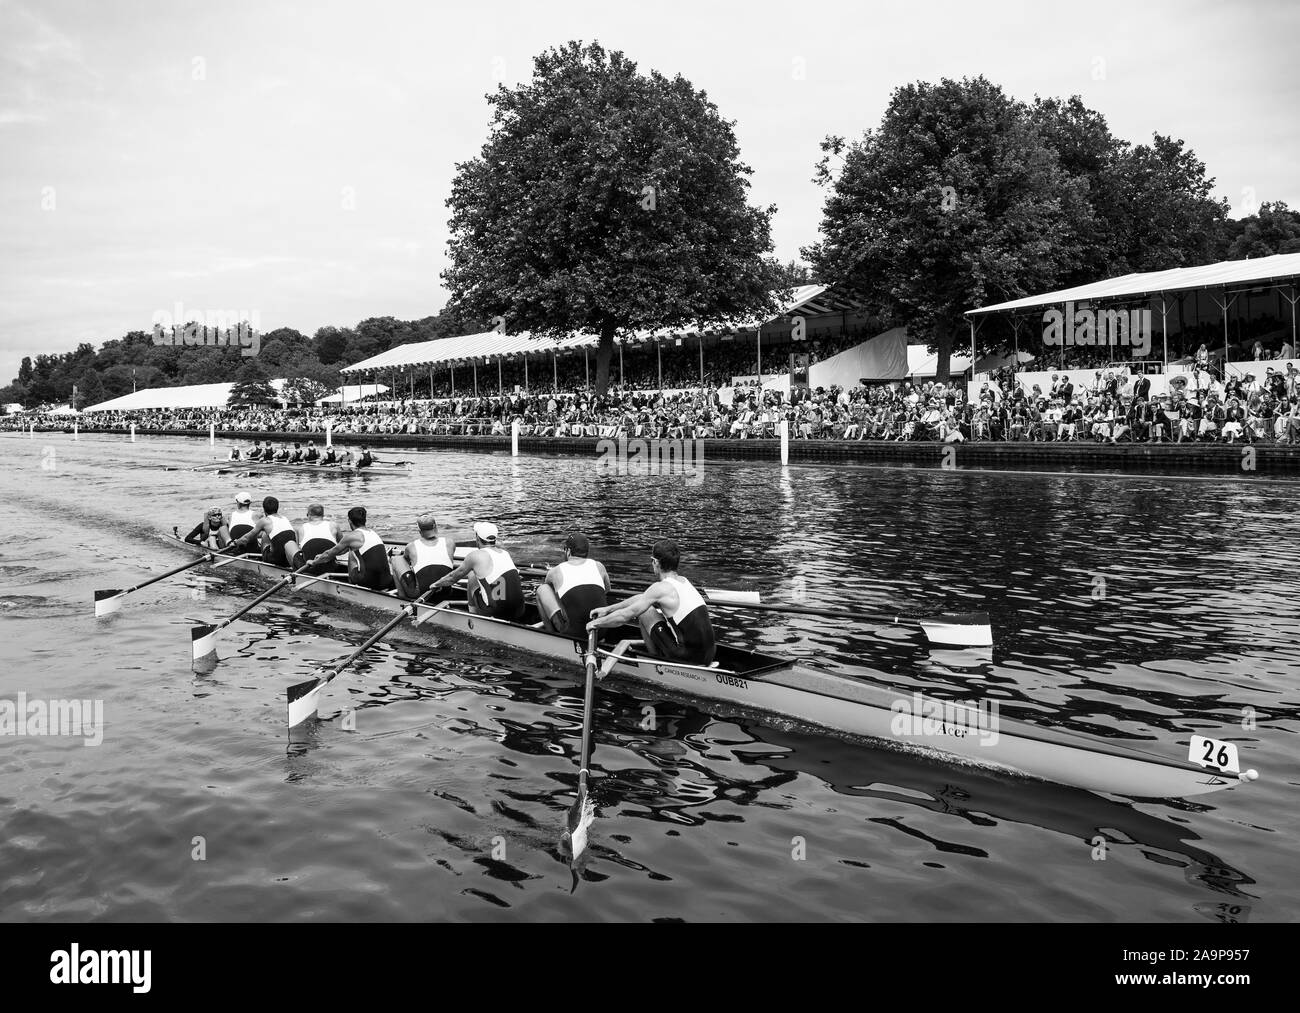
(651, 457)
(225, 328)
(82, 719)
(1128, 328)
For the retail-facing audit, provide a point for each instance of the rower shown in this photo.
(241, 518)
(368, 562)
(329, 457)
(492, 584)
(211, 531)
(280, 544)
(312, 455)
(235, 454)
(673, 617)
(283, 453)
(573, 589)
(256, 453)
(296, 456)
(366, 459)
(316, 535)
(424, 560)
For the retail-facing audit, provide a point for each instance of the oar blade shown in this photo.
(304, 699)
(721, 596)
(107, 602)
(581, 815)
(203, 642)
(964, 629)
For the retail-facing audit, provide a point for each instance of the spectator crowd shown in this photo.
(1116, 407)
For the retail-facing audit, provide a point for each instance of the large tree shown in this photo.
(1151, 205)
(955, 201)
(606, 201)
(253, 386)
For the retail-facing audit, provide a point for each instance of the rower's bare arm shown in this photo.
(345, 543)
(466, 565)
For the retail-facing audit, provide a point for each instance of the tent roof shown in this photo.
(199, 395)
(491, 344)
(1224, 274)
(488, 344)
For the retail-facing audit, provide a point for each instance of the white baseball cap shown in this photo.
(243, 497)
(485, 531)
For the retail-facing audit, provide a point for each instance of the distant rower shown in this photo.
(573, 589)
(492, 579)
(673, 617)
(366, 459)
(368, 562)
(425, 560)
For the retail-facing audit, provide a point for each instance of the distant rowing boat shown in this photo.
(780, 686)
(255, 467)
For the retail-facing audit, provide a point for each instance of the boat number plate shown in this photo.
(1214, 753)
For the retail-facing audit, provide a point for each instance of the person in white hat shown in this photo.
(241, 518)
(492, 584)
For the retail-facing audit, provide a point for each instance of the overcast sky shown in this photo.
(207, 153)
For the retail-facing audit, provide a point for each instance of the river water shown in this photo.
(1142, 607)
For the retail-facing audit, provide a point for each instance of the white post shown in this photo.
(785, 442)
(31, 430)
(74, 430)
(132, 432)
(514, 438)
(329, 433)
(212, 434)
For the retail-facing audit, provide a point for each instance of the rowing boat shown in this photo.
(772, 685)
(257, 467)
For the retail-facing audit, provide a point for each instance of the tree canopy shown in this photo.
(965, 196)
(604, 201)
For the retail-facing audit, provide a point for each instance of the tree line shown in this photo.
(606, 200)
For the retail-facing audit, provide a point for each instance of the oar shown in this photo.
(203, 639)
(575, 835)
(109, 601)
(956, 629)
(304, 697)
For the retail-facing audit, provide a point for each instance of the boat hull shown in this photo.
(254, 467)
(765, 684)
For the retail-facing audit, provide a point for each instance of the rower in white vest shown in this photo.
(672, 614)
(573, 589)
(278, 538)
(316, 535)
(367, 554)
(492, 584)
(241, 518)
(423, 561)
